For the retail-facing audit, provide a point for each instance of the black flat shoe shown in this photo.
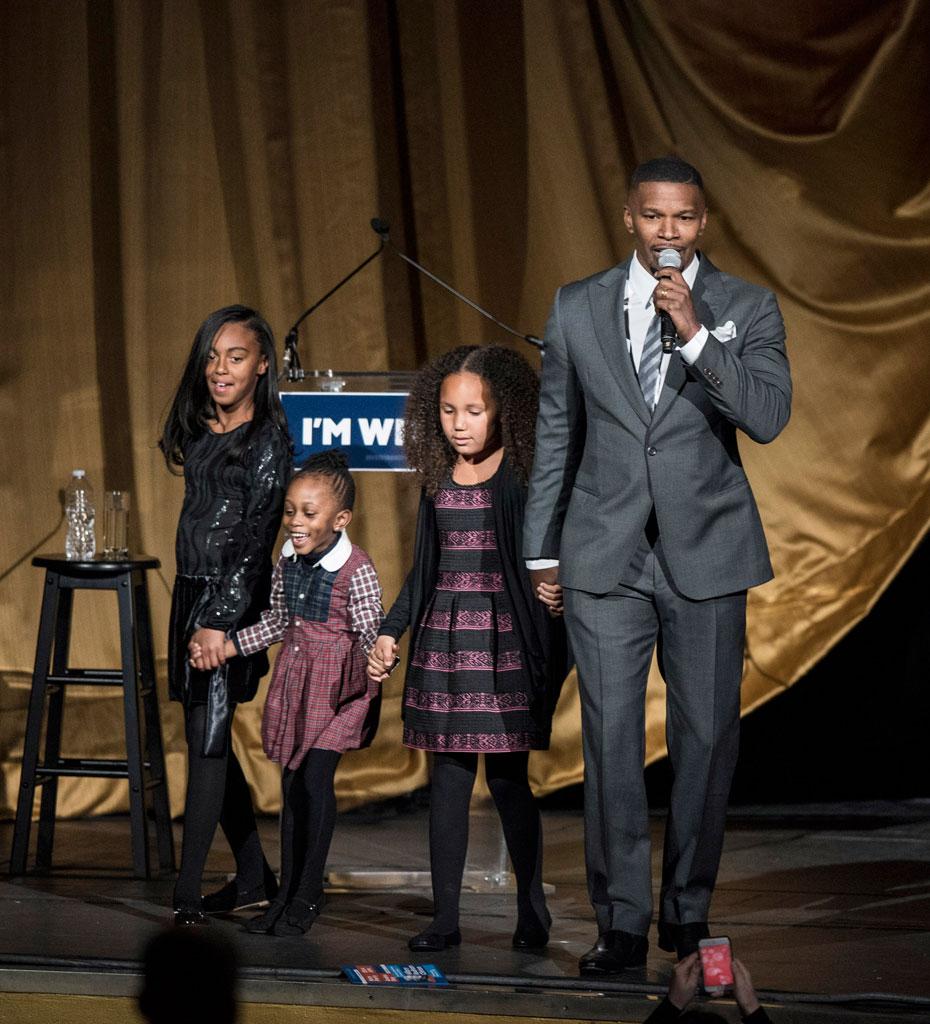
(263, 924)
(614, 952)
(434, 942)
(531, 934)
(682, 939)
(190, 917)
(298, 917)
(231, 898)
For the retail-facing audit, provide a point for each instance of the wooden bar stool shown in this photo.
(144, 766)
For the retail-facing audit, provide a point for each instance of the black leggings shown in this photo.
(452, 783)
(308, 817)
(217, 793)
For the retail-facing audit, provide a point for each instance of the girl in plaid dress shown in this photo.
(326, 608)
(487, 656)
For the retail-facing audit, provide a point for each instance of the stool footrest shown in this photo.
(90, 676)
(86, 768)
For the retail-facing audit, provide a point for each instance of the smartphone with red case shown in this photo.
(716, 965)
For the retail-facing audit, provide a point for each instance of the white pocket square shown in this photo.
(725, 332)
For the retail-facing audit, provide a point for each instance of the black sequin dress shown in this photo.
(226, 533)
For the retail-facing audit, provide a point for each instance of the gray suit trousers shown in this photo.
(700, 646)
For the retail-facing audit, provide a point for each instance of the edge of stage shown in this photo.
(828, 905)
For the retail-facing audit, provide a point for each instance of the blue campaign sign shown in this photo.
(367, 425)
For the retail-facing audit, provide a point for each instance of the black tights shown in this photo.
(217, 793)
(308, 817)
(452, 783)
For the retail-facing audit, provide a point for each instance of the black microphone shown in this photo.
(668, 258)
(383, 230)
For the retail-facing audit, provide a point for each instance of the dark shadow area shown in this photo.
(854, 728)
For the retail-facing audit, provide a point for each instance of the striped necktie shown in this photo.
(650, 360)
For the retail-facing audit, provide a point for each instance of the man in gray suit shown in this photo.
(640, 509)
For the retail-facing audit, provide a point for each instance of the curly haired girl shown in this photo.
(486, 658)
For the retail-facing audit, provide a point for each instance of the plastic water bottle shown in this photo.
(80, 542)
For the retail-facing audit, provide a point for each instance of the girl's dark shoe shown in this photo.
(190, 917)
(530, 936)
(434, 942)
(298, 917)
(531, 932)
(263, 924)
(231, 898)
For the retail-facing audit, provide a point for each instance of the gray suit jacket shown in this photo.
(603, 461)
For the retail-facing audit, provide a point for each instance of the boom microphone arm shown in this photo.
(383, 230)
(291, 360)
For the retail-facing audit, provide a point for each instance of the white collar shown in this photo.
(641, 284)
(333, 560)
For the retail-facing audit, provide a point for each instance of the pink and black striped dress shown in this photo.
(467, 688)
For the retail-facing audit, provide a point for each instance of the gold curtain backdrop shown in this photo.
(161, 158)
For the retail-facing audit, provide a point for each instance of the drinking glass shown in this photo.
(116, 524)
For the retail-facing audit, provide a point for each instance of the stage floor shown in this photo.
(826, 901)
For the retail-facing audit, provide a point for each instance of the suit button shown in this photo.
(652, 451)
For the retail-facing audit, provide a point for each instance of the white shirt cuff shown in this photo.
(542, 563)
(692, 349)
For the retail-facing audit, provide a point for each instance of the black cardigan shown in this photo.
(541, 636)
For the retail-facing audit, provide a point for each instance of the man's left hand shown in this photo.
(673, 296)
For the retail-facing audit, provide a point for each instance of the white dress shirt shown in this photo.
(637, 301)
(640, 287)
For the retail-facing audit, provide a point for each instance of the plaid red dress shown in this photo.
(327, 616)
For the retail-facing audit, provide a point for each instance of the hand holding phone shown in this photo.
(743, 992)
(686, 976)
(716, 965)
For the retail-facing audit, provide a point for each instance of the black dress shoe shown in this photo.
(190, 917)
(298, 917)
(262, 924)
(231, 898)
(434, 942)
(614, 952)
(682, 939)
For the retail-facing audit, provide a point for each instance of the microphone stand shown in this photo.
(291, 360)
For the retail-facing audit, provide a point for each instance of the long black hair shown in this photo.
(193, 409)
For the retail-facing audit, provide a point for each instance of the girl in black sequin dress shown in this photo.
(226, 429)
(486, 658)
